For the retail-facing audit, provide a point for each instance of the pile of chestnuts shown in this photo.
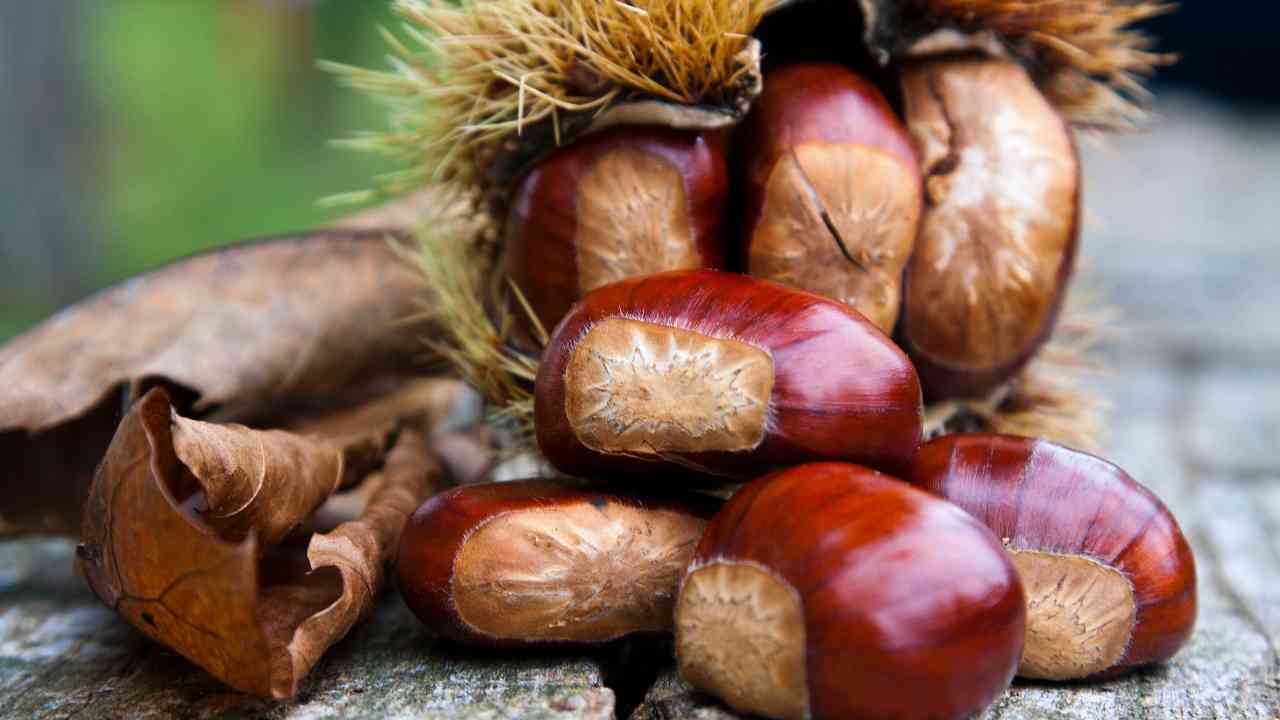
(773, 303)
(952, 230)
(871, 577)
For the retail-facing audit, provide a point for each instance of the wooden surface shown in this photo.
(1180, 237)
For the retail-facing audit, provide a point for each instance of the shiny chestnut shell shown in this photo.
(709, 372)
(627, 201)
(1093, 545)
(535, 562)
(832, 591)
(833, 188)
(999, 235)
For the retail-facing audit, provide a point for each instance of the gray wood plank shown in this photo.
(1180, 231)
(1238, 426)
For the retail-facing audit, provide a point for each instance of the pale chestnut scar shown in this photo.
(1080, 615)
(632, 219)
(740, 635)
(582, 572)
(640, 388)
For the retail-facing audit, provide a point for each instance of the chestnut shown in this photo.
(833, 188)
(997, 242)
(718, 373)
(831, 591)
(622, 202)
(532, 561)
(1110, 580)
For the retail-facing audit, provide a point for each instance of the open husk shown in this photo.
(1085, 55)
(478, 89)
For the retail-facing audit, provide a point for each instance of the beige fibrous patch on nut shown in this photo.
(1001, 184)
(1080, 615)
(740, 636)
(582, 572)
(840, 221)
(639, 388)
(633, 219)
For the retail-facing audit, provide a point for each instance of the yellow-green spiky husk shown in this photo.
(470, 77)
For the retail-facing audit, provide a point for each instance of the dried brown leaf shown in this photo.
(257, 617)
(251, 332)
(254, 480)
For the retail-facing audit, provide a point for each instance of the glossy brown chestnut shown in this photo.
(832, 591)
(718, 373)
(833, 189)
(1110, 580)
(529, 562)
(997, 243)
(622, 202)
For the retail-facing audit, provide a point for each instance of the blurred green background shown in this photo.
(152, 129)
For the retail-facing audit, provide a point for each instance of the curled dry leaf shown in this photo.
(253, 481)
(251, 331)
(255, 616)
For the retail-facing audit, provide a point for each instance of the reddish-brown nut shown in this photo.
(623, 202)
(832, 591)
(719, 373)
(1110, 581)
(534, 562)
(833, 189)
(997, 243)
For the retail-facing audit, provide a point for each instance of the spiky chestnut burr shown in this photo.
(997, 242)
(533, 562)
(1110, 580)
(833, 189)
(832, 591)
(709, 372)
